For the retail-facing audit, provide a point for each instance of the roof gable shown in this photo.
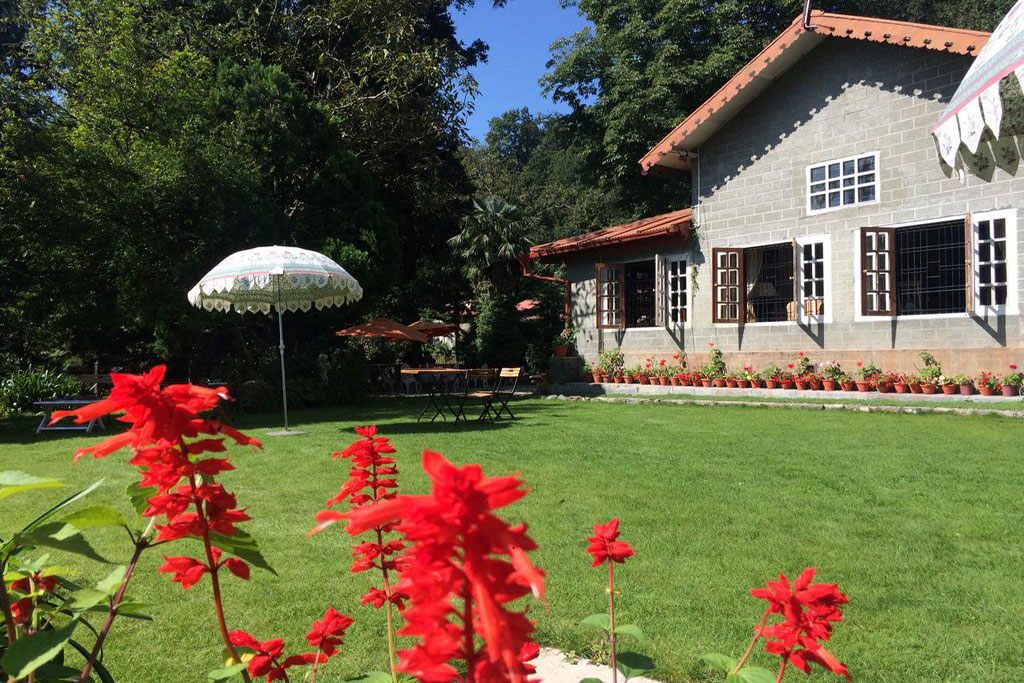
(675, 151)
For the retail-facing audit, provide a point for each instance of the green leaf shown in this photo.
(97, 667)
(591, 680)
(113, 580)
(633, 664)
(58, 536)
(57, 673)
(601, 621)
(720, 662)
(629, 630)
(227, 672)
(31, 652)
(11, 546)
(12, 482)
(84, 599)
(132, 609)
(371, 677)
(751, 674)
(96, 515)
(139, 496)
(242, 545)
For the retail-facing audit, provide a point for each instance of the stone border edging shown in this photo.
(914, 410)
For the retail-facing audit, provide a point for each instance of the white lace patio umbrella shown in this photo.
(985, 99)
(277, 279)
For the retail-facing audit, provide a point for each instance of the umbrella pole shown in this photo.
(280, 348)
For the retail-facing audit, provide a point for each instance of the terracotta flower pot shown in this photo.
(816, 384)
(596, 376)
(743, 383)
(901, 387)
(949, 389)
(1010, 391)
(561, 350)
(685, 381)
(828, 384)
(802, 384)
(864, 386)
(605, 379)
(915, 387)
(927, 388)
(663, 381)
(788, 384)
(966, 389)
(885, 387)
(848, 386)
(719, 382)
(985, 390)
(674, 381)
(731, 383)
(627, 380)
(771, 384)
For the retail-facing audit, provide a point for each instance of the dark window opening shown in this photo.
(640, 294)
(930, 269)
(769, 282)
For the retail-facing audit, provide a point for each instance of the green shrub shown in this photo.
(23, 387)
(256, 396)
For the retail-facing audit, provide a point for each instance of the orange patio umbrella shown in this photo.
(383, 328)
(433, 328)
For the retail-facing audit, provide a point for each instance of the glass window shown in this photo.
(677, 291)
(841, 183)
(639, 283)
(930, 272)
(769, 283)
(991, 270)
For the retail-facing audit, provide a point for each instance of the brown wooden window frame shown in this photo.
(617, 277)
(727, 274)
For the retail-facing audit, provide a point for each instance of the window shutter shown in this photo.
(968, 264)
(878, 272)
(610, 294)
(728, 289)
(796, 313)
(660, 292)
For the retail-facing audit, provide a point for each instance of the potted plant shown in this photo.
(628, 376)
(846, 382)
(595, 372)
(730, 381)
(619, 378)
(913, 383)
(830, 374)
(949, 385)
(565, 340)
(900, 384)
(663, 372)
(884, 382)
(802, 382)
(772, 380)
(611, 363)
(1011, 382)
(931, 374)
(965, 383)
(786, 379)
(987, 384)
(866, 375)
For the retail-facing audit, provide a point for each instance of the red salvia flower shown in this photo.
(22, 609)
(188, 570)
(464, 565)
(327, 632)
(808, 610)
(605, 546)
(1013, 366)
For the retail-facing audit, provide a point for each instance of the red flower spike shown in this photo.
(464, 564)
(605, 546)
(327, 632)
(809, 611)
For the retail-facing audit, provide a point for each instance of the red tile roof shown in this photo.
(675, 149)
(673, 223)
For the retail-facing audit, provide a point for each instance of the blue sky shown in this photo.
(519, 35)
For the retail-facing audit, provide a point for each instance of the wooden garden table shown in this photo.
(439, 389)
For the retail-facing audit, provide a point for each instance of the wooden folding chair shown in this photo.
(502, 394)
(474, 378)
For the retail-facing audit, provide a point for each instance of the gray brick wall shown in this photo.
(846, 97)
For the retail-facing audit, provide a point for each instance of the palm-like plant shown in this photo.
(490, 241)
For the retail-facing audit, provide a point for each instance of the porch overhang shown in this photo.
(675, 224)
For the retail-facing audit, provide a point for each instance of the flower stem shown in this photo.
(611, 620)
(140, 545)
(782, 671)
(753, 642)
(467, 629)
(388, 607)
(5, 605)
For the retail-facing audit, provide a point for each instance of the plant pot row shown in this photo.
(816, 385)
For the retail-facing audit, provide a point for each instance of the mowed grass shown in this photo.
(917, 517)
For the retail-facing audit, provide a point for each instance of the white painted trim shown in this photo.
(826, 255)
(830, 209)
(1012, 285)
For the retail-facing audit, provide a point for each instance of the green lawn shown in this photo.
(917, 517)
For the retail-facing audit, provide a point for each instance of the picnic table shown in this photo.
(439, 382)
(49, 406)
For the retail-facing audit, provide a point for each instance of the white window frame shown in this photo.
(826, 256)
(684, 261)
(856, 186)
(1011, 305)
(1012, 285)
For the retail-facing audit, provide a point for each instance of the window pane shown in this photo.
(866, 178)
(866, 164)
(819, 250)
(930, 269)
(848, 167)
(984, 251)
(833, 199)
(833, 170)
(983, 230)
(866, 193)
(817, 174)
(769, 287)
(1001, 295)
(817, 202)
(848, 196)
(999, 226)
(820, 187)
(998, 251)
(849, 182)
(833, 184)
